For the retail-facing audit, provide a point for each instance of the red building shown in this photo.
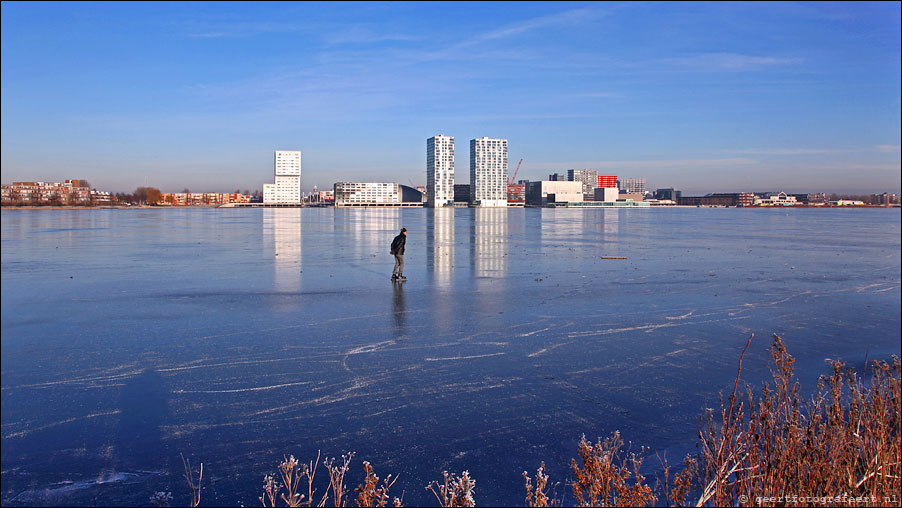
(516, 193)
(607, 182)
(746, 199)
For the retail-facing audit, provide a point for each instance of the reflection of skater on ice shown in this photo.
(397, 250)
(399, 309)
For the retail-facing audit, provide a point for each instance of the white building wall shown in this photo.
(564, 192)
(287, 173)
(288, 189)
(269, 193)
(488, 172)
(607, 194)
(440, 171)
(362, 193)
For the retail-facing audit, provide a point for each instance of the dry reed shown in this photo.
(538, 496)
(291, 473)
(604, 478)
(194, 485)
(370, 493)
(455, 490)
(841, 448)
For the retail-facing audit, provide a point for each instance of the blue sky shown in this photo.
(704, 97)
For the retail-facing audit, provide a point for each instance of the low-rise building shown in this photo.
(811, 198)
(544, 192)
(632, 185)
(516, 194)
(375, 194)
(778, 199)
(631, 196)
(669, 194)
(607, 194)
(70, 193)
(887, 199)
(461, 193)
(719, 199)
(203, 198)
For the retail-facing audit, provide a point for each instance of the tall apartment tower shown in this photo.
(488, 172)
(287, 186)
(588, 177)
(440, 171)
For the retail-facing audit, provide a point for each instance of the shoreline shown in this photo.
(259, 205)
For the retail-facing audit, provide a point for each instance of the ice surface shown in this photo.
(237, 336)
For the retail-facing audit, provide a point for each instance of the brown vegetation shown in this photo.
(193, 484)
(604, 478)
(840, 448)
(370, 493)
(538, 496)
(454, 491)
(844, 444)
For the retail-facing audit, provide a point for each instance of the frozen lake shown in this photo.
(234, 336)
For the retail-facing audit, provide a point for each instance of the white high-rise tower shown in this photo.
(287, 171)
(440, 171)
(488, 172)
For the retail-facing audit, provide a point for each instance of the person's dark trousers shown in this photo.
(399, 264)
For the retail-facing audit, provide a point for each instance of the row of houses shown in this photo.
(203, 198)
(69, 193)
(745, 199)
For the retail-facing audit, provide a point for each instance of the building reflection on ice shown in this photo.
(560, 229)
(607, 222)
(489, 242)
(371, 230)
(283, 225)
(440, 245)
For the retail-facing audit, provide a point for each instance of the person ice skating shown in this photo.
(397, 250)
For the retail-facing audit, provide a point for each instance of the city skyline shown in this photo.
(700, 97)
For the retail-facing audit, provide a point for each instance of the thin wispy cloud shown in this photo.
(362, 71)
(728, 62)
(565, 18)
(600, 95)
(516, 116)
(360, 63)
(238, 29)
(365, 35)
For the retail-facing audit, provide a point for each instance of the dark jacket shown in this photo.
(397, 245)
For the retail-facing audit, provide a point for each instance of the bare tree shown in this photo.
(140, 195)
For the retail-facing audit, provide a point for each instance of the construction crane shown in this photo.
(511, 180)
